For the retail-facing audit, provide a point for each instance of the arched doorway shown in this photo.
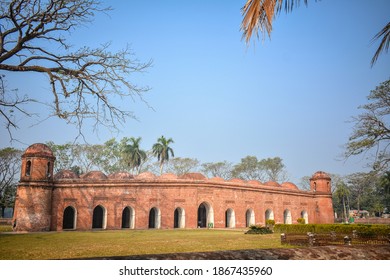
(179, 218)
(230, 218)
(249, 217)
(69, 218)
(99, 217)
(128, 217)
(287, 217)
(205, 215)
(305, 216)
(154, 218)
(269, 215)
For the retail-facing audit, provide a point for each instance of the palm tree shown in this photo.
(342, 193)
(162, 150)
(134, 155)
(259, 14)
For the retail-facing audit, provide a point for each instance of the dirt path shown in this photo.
(310, 253)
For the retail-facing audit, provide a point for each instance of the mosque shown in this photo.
(65, 201)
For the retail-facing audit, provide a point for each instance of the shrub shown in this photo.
(361, 230)
(301, 221)
(258, 230)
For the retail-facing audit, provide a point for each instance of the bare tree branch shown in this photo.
(83, 83)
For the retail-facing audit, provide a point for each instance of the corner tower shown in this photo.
(34, 192)
(320, 185)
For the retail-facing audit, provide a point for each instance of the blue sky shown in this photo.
(219, 99)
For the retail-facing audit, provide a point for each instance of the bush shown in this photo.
(258, 230)
(301, 221)
(361, 230)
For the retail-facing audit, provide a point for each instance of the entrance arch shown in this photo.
(287, 217)
(69, 218)
(305, 216)
(230, 218)
(99, 217)
(250, 217)
(205, 215)
(269, 215)
(154, 218)
(128, 217)
(179, 218)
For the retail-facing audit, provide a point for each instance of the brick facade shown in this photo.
(65, 201)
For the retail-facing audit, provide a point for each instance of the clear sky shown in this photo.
(219, 99)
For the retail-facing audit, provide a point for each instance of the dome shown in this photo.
(290, 186)
(320, 175)
(236, 180)
(193, 176)
(120, 175)
(254, 182)
(38, 149)
(65, 174)
(94, 175)
(216, 179)
(168, 176)
(272, 184)
(145, 176)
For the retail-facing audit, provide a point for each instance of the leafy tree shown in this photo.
(9, 171)
(161, 150)
(371, 131)
(274, 169)
(249, 169)
(180, 166)
(134, 154)
(269, 169)
(361, 186)
(83, 82)
(258, 15)
(342, 193)
(218, 169)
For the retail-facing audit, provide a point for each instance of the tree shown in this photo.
(218, 169)
(134, 155)
(249, 169)
(83, 82)
(371, 131)
(180, 166)
(162, 150)
(361, 186)
(9, 170)
(342, 194)
(258, 15)
(274, 169)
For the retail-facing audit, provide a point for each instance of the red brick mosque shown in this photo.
(65, 201)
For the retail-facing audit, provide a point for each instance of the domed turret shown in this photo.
(320, 182)
(37, 163)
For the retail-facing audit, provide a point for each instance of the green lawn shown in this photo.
(73, 244)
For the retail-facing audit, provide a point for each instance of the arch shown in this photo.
(99, 217)
(154, 218)
(205, 215)
(305, 216)
(28, 168)
(48, 171)
(230, 218)
(69, 219)
(250, 217)
(179, 218)
(269, 215)
(287, 217)
(128, 216)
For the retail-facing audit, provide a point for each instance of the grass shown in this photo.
(89, 244)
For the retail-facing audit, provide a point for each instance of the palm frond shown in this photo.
(384, 44)
(259, 14)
